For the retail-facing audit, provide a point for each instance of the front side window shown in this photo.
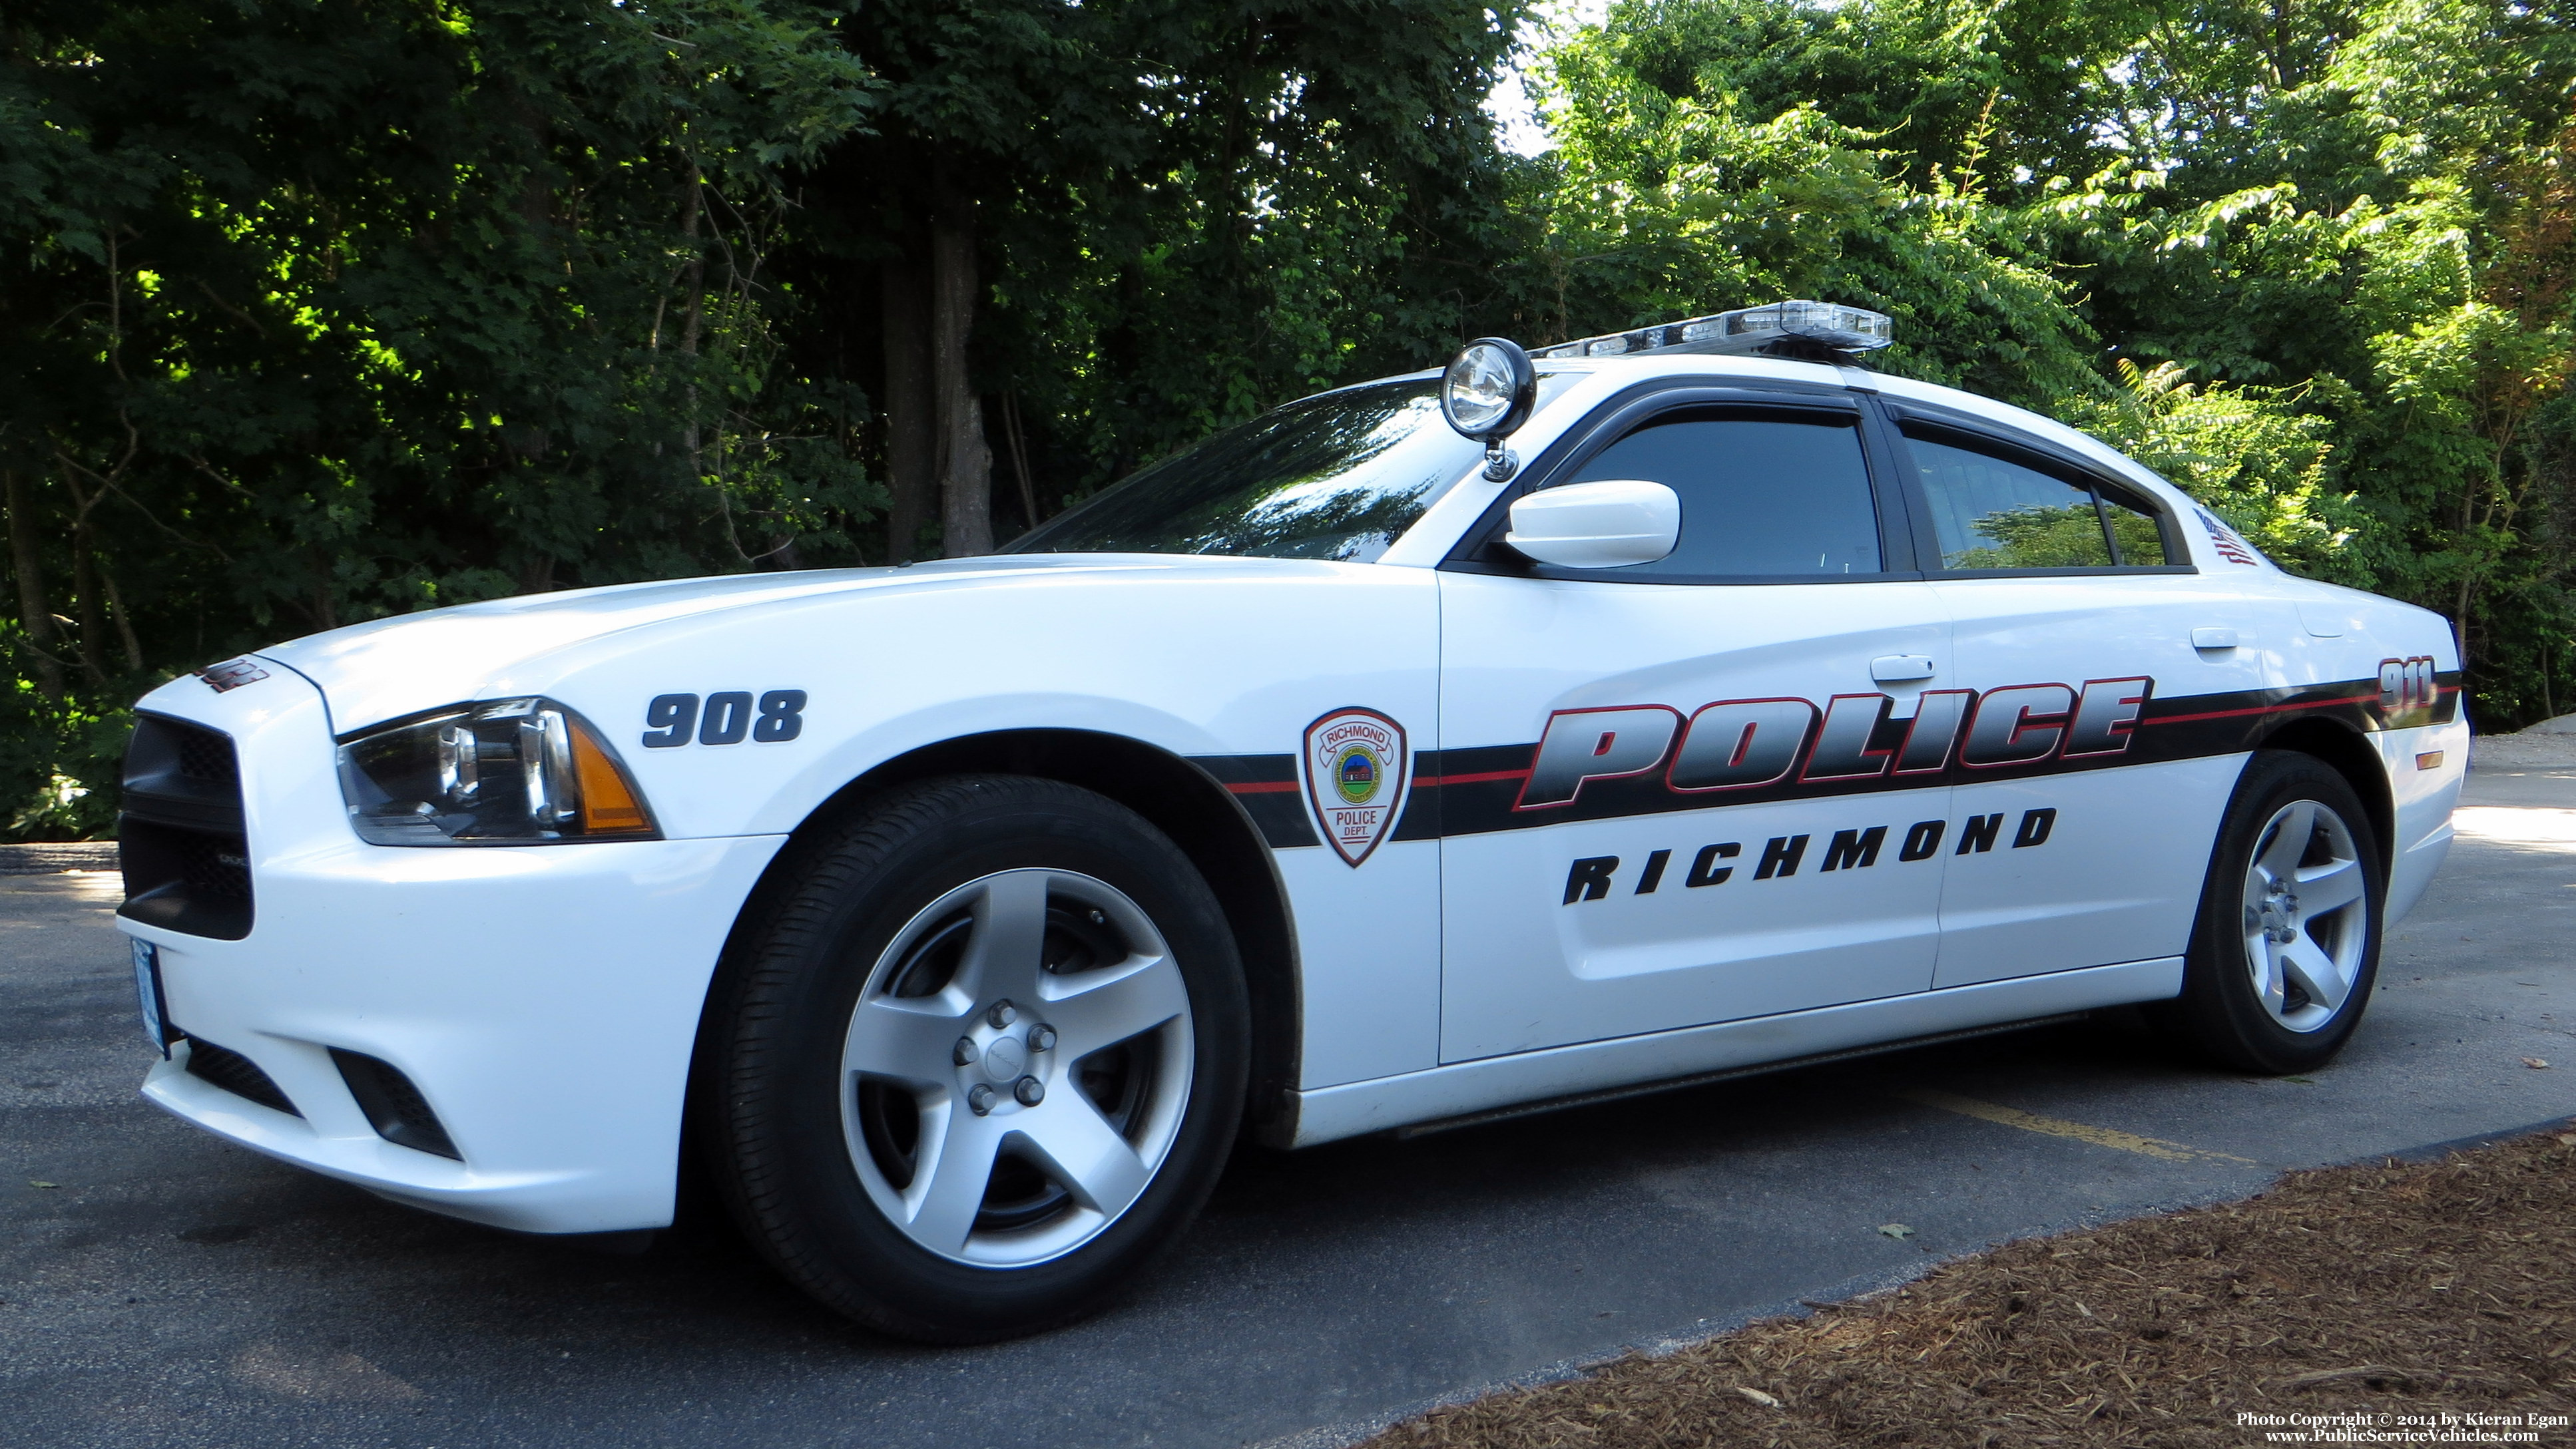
(1332, 477)
(1992, 512)
(1778, 494)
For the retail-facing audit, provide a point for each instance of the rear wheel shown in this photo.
(2286, 948)
(980, 1061)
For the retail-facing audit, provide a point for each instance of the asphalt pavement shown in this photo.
(158, 1287)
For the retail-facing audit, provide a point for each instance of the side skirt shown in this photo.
(1495, 1087)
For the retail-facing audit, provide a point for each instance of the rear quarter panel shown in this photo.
(2335, 634)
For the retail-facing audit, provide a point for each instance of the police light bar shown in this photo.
(1826, 325)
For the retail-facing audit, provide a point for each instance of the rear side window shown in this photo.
(1990, 511)
(2136, 537)
(1776, 495)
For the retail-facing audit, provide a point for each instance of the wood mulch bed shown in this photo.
(2425, 1290)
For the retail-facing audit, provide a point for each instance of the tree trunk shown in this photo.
(965, 458)
(536, 575)
(912, 427)
(125, 635)
(85, 605)
(1122, 352)
(34, 613)
(1019, 440)
(693, 275)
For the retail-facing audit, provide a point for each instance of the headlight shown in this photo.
(514, 772)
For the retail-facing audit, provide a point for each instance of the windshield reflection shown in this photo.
(1333, 477)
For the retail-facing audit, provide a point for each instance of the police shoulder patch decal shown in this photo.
(1357, 769)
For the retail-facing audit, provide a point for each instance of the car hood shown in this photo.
(372, 672)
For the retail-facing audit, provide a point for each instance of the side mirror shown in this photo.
(1605, 525)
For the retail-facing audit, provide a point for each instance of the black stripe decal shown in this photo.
(1473, 791)
(1267, 788)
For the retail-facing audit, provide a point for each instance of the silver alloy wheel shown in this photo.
(989, 1015)
(2307, 915)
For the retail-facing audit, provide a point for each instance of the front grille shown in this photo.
(236, 1074)
(215, 867)
(206, 756)
(186, 857)
(394, 1106)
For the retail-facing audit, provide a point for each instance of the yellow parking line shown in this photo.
(2056, 1127)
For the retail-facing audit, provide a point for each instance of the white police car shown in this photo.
(1348, 771)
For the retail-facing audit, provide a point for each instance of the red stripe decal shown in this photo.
(2240, 713)
(1438, 780)
(1264, 787)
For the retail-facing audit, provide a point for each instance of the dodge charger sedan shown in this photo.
(1652, 708)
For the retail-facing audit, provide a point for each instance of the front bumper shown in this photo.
(543, 999)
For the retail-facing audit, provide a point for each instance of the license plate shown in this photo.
(147, 985)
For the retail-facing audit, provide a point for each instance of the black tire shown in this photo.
(776, 1111)
(2222, 1014)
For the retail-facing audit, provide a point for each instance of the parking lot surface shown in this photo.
(160, 1287)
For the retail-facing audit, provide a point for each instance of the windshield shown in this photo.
(1333, 477)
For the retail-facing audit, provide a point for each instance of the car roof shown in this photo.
(1620, 372)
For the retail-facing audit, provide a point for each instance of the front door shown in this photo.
(1679, 793)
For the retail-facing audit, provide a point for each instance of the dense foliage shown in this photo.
(316, 310)
(2310, 260)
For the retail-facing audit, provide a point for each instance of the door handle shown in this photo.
(1901, 668)
(2213, 638)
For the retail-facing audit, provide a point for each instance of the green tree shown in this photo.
(320, 311)
(2312, 260)
(1175, 216)
(1662, 204)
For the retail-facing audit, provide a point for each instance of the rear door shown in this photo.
(1675, 793)
(2083, 822)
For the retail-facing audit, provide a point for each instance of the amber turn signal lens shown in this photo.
(608, 803)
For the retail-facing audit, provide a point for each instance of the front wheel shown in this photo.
(2286, 947)
(980, 1059)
